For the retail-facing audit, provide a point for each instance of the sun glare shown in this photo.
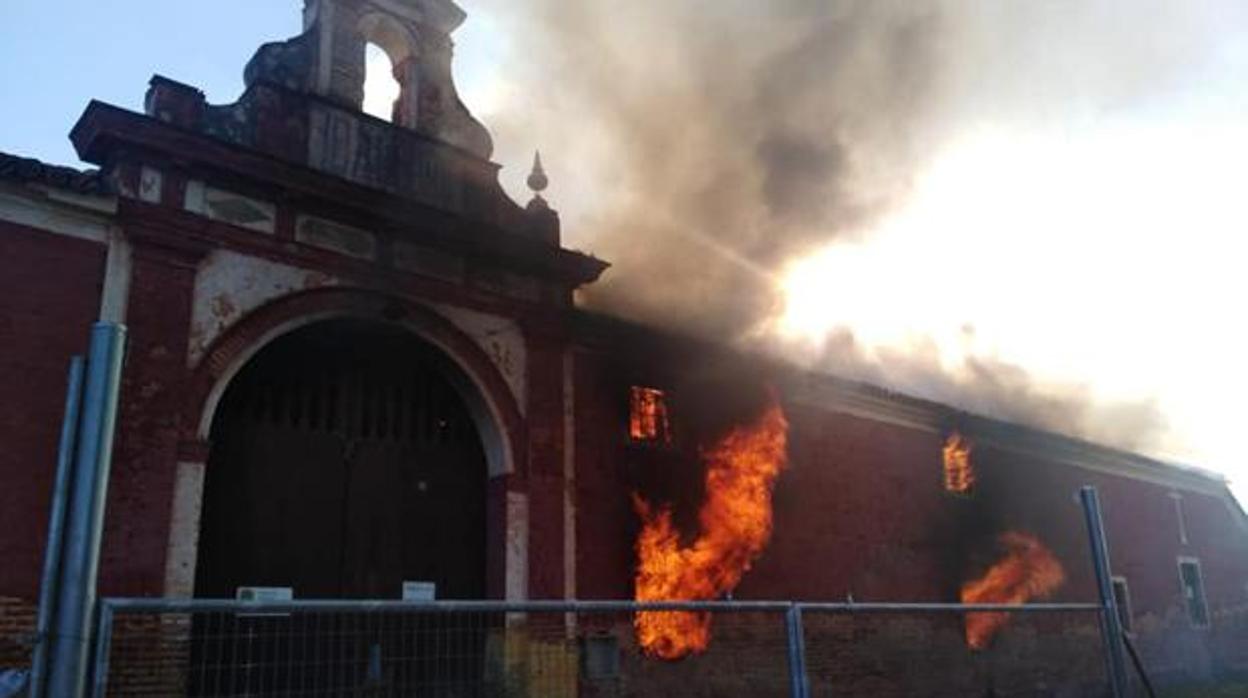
(1107, 258)
(381, 89)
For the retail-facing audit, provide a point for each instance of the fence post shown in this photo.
(103, 646)
(798, 683)
(1111, 626)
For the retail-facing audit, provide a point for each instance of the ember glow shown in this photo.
(959, 474)
(1027, 571)
(648, 419)
(735, 526)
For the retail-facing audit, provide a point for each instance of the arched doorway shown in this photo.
(344, 462)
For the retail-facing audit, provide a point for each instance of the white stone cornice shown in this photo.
(60, 212)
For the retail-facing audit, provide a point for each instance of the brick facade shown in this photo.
(235, 231)
(861, 512)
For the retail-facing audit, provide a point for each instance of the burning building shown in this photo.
(354, 362)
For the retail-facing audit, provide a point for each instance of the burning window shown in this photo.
(959, 473)
(648, 417)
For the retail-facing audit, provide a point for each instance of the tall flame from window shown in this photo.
(1027, 571)
(735, 525)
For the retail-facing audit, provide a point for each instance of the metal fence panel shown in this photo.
(450, 652)
(587, 650)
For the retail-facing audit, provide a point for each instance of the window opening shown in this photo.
(1122, 599)
(959, 472)
(381, 89)
(1193, 591)
(648, 416)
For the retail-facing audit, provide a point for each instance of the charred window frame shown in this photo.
(958, 467)
(1192, 586)
(649, 416)
(1122, 599)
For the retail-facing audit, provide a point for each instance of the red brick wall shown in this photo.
(49, 296)
(861, 510)
(153, 389)
(544, 471)
(605, 525)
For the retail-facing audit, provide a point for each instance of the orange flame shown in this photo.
(735, 525)
(648, 416)
(1028, 571)
(959, 474)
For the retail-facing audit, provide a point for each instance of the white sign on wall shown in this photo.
(420, 591)
(264, 595)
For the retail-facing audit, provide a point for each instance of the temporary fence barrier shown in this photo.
(586, 649)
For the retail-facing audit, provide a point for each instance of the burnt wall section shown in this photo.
(862, 512)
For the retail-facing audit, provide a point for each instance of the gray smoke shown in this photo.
(701, 145)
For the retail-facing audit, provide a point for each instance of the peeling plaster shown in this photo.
(502, 341)
(229, 286)
(184, 519)
(517, 579)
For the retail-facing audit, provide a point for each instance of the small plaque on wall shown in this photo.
(264, 595)
(420, 591)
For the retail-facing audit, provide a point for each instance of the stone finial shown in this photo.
(543, 221)
(537, 178)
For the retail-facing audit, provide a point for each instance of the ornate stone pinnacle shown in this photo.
(537, 178)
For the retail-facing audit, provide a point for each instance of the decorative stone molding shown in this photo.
(228, 207)
(336, 237)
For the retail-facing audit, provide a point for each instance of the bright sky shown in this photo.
(1118, 275)
(1111, 254)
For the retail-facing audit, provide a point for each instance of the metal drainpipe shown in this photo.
(56, 525)
(1111, 625)
(75, 605)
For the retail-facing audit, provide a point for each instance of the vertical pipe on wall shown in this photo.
(1111, 626)
(56, 525)
(75, 605)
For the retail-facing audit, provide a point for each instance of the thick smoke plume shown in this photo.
(702, 146)
(724, 139)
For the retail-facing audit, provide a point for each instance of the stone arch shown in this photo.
(478, 381)
(493, 407)
(388, 33)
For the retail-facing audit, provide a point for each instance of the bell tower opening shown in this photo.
(344, 463)
(336, 59)
(381, 88)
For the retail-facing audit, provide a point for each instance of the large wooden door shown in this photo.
(343, 464)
